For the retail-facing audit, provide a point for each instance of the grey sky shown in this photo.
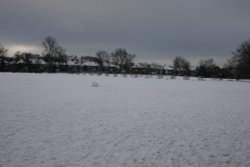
(155, 30)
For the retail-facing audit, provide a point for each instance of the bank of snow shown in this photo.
(61, 120)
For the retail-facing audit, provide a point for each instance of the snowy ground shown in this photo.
(60, 120)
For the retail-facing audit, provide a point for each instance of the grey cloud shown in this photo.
(157, 29)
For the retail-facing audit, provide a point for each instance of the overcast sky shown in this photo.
(154, 30)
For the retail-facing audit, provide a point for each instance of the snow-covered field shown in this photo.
(60, 120)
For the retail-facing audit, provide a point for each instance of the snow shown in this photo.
(37, 61)
(72, 63)
(89, 63)
(20, 62)
(61, 120)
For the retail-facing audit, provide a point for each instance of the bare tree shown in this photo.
(241, 60)
(207, 62)
(122, 58)
(52, 51)
(102, 57)
(3, 55)
(181, 66)
(229, 69)
(208, 68)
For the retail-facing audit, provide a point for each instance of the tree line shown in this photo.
(55, 59)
